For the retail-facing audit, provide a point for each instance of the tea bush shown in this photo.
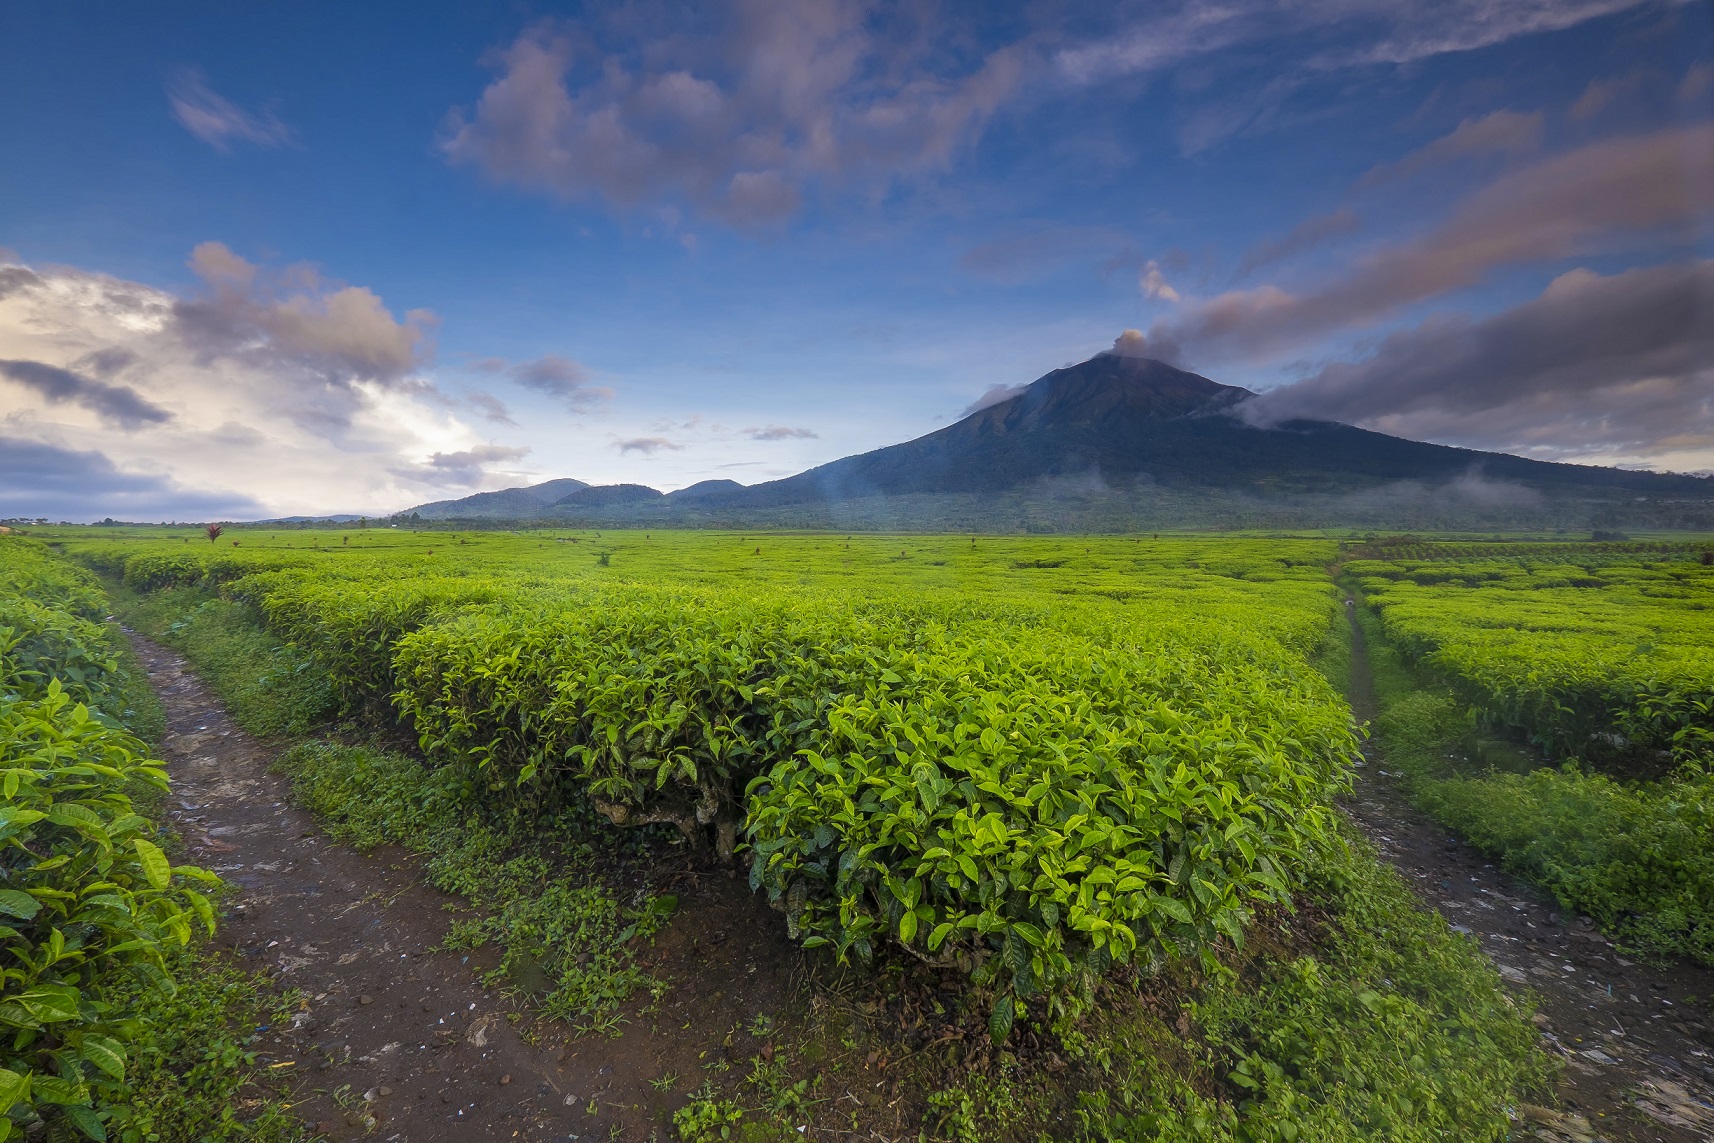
(90, 908)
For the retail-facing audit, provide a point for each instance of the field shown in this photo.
(1571, 732)
(1082, 792)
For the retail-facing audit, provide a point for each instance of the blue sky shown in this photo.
(310, 258)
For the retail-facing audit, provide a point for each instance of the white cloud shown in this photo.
(273, 390)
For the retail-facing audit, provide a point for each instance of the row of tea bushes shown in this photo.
(1604, 661)
(89, 905)
(1025, 802)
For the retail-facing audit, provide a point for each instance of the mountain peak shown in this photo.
(1108, 385)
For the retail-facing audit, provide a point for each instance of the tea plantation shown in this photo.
(1068, 773)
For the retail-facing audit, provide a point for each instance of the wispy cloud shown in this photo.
(491, 407)
(1305, 236)
(218, 121)
(780, 433)
(648, 446)
(1370, 31)
(464, 468)
(991, 396)
(1513, 133)
(1637, 189)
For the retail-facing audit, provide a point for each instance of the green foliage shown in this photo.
(90, 908)
(271, 688)
(707, 1120)
(1639, 859)
(1604, 655)
(1394, 1028)
(1030, 787)
(1125, 734)
(1607, 656)
(1035, 814)
(192, 1073)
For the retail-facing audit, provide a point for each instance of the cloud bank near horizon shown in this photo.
(261, 390)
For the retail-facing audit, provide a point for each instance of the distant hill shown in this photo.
(507, 503)
(1125, 443)
(600, 496)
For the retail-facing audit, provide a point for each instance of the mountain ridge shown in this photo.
(1112, 426)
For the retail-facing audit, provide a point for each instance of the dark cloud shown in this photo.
(1500, 133)
(780, 433)
(39, 479)
(116, 403)
(1615, 365)
(1306, 235)
(648, 446)
(737, 121)
(562, 379)
(491, 407)
(107, 362)
(218, 121)
(463, 469)
(1651, 188)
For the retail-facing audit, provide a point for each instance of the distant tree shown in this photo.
(214, 531)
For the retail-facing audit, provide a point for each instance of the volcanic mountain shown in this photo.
(1159, 436)
(1128, 418)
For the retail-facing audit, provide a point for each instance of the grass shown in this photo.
(271, 690)
(193, 1074)
(563, 935)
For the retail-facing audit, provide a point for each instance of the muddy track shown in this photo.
(1638, 1051)
(394, 1040)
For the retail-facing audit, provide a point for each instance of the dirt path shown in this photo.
(395, 1040)
(1636, 1040)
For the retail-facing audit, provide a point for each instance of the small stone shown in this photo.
(385, 1090)
(505, 1080)
(365, 999)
